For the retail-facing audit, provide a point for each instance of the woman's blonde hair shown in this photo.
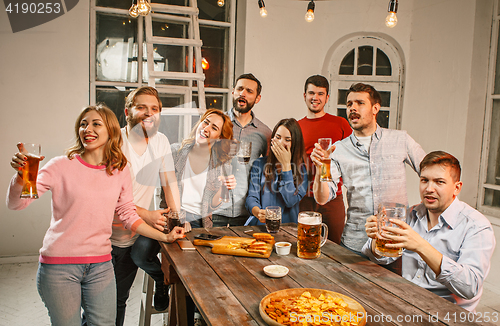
(113, 155)
(219, 149)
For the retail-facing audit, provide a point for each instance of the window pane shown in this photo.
(347, 65)
(342, 97)
(497, 70)
(213, 50)
(211, 11)
(115, 100)
(492, 197)
(213, 101)
(172, 126)
(386, 99)
(383, 118)
(120, 4)
(116, 48)
(365, 60)
(383, 64)
(493, 170)
(342, 113)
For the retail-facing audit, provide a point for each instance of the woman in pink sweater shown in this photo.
(88, 186)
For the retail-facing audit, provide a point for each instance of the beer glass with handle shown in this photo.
(387, 211)
(309, 237)
(325, 175)
(30, 170)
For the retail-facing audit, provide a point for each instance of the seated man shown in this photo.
(448, 243)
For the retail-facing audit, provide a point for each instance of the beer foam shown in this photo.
(309, 220)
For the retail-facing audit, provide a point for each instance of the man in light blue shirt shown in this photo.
(371, 162)
(448, 244)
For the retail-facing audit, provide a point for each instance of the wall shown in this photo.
(43, 85)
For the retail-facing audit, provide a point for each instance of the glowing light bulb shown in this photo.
(263, 12)
(220, 3)
(310, 12)
(143, 7)
(133, 12)
(391, 20)
(309, 16)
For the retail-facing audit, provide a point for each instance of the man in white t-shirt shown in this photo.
(149, 157)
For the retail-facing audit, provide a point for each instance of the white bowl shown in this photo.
(276, 270)
(283, 248)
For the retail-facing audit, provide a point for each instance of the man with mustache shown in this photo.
(149, 157)
(448, 244)
(371, 162)
(246, 127)
(319, 124)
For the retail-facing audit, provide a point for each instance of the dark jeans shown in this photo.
(145, 255)
(125, 271)
(220, 220)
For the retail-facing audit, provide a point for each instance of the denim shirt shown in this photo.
(372, 177)
(259, 135)
(466, 240)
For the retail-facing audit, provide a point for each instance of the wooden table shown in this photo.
(227, 289)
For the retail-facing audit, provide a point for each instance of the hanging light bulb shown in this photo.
(220, 3)
(133, 12)
(310, 12)
(262, 6)
(143, 7)
(391, 20)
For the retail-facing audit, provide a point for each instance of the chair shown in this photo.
(147, 308)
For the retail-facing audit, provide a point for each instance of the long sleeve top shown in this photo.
(84, 200)
(372, 176)
(466, 240)
(284, 194)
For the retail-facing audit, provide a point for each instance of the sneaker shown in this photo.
(161, 298)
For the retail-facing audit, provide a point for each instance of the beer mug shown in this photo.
(30, 170)
(325, 175)
(387, 211)
(244, 152)
(309, 238)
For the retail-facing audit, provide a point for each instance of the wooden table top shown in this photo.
(227, 289)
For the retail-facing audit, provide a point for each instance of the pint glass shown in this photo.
(30, 170)
(385, 212)
(325, 175)
(244, 152)
(309, 238)
(174, 218)
(273, 219)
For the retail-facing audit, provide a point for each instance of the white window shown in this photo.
(371, 60)
(489, 192)
(117, 60)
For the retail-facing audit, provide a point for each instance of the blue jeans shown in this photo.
(66, 288)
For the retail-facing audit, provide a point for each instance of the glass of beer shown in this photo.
(309, 237)
(387, 211)
(325, 175)
(273, 219)
(33, 154)
(175, 218)
(244, 152)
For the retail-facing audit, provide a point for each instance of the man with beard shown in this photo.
(149, 157)
(447, 244)
(246, 127)
(371, 163)
(319, 124)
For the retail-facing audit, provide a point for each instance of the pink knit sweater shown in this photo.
(84, 199)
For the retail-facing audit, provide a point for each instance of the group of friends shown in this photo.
(101, 230)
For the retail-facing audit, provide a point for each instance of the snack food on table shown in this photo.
(266, 237)
(308, 310)
(259, 246)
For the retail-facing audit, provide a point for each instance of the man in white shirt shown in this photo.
(149, 157)
(448, 244)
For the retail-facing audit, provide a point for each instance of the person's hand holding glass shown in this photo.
(320, 156)
(26, 162)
